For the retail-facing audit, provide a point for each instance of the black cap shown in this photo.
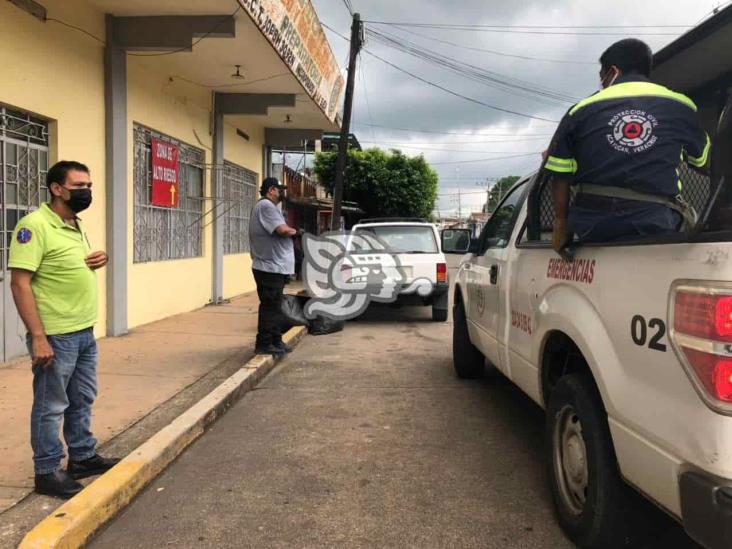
(268, 183)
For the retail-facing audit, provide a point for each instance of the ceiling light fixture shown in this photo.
(238, 75)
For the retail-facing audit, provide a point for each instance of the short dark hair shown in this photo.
(59, 171)
(630, 56)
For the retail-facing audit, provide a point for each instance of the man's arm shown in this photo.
(560, 197)
(560, 165)
(25, 302)
(285, 230)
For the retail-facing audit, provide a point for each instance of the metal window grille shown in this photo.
(695, 189)
(238, 195)
(167, 233)
(23, 168)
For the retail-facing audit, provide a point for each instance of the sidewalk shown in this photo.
(137, 373)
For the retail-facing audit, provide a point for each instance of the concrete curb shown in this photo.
(72, 524)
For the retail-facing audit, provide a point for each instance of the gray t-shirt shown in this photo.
(271, 252)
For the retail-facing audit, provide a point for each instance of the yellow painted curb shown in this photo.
(71, 525)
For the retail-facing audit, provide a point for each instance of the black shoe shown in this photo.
(268, 350)
(58, 484)
(95, 465)
(284, 347)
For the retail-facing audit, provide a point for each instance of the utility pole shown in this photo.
(342, 161)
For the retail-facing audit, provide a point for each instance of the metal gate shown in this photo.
(23, 167)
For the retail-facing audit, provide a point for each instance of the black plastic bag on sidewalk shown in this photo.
(322, 325)
(292, 310)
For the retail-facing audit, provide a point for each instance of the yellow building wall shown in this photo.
(238, 278)
(58, 73)
(161, 289)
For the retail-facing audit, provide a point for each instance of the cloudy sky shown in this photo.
(514, 66)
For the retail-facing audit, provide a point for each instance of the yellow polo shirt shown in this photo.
(64, 287)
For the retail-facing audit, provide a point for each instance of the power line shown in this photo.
(349, 7)
(439, 87)
(414, 130)
(405, 143)
(448, 150)
(485, 159)
(499, 53)
(528, 29)
(484, 76)
(461, 96)
(451, 25)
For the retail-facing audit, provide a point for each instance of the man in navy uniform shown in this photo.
(622, 148)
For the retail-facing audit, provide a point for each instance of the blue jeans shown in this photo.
(64, 391)
(603, 219)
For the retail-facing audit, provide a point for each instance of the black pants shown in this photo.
(269, 289)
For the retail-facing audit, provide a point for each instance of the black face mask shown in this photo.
(79, 200)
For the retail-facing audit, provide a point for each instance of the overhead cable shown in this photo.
(446, 90)
(484, 76)
(498, 53)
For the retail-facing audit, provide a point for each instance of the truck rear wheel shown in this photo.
(467, 359)
(592, 501)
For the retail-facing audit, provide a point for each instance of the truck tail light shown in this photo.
(442, 272)
(713, 371)
(703, 315)
(702, 333)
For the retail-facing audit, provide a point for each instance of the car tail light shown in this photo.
(704, 315)
(702, 331)
(442, 272)
(713, 371)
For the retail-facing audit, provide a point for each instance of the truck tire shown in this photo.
(467, 359)
(439, 315)
(592, 502)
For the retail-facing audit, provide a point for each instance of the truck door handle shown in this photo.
(494, 274)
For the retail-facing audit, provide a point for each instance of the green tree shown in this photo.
(499, 190)
(383, 183)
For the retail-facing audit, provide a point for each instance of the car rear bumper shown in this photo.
(706, 508)
(439, 290)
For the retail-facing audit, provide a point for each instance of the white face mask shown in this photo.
(616, 73)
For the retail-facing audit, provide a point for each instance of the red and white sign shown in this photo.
(165, 187)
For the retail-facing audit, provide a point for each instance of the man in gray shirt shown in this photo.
(273, 261)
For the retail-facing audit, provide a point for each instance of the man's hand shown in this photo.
(41, 351)
(560, 236)
(96, 260)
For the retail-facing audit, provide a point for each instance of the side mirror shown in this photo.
(456, 241)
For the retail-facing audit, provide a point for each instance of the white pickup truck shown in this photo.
(628, 348)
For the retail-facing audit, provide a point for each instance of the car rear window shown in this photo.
(405, 238)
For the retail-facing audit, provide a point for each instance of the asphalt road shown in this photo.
(363, 438)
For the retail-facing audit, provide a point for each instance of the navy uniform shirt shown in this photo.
(633, 134)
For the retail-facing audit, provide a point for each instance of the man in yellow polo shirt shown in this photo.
(55, 291)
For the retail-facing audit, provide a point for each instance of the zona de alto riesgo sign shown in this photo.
(293, 29)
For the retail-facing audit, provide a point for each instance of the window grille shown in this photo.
(238, 196)
(161, 233)
(23, 168)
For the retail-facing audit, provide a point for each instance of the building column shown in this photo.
(115, 97)
(217, 295)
